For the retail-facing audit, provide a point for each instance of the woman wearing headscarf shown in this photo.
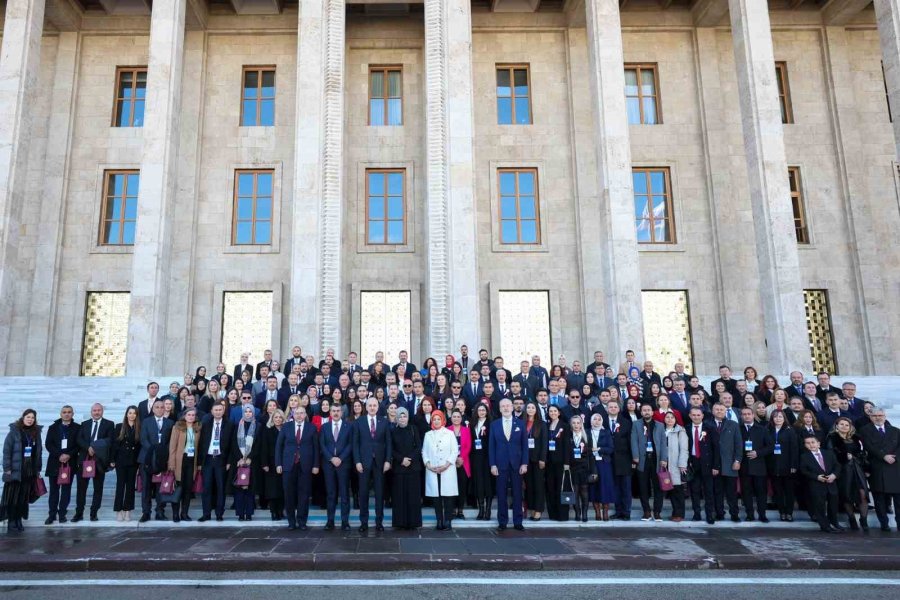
(602, 492)
(439, 453)
(272, 489)
(407, 464)
(183, 460)
(479, 461)
(22, 451)
(245, 454)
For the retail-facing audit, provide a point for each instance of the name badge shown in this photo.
(64, 445)
(531, 443)
(478, 443)
(748, 446)
(577, 452)
(777, 448)
(649, 446)
(27, 451)
(597, 455)
(215, 445)
(190, 453)
(552, 446)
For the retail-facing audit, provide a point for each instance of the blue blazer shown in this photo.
(510, 454)
(367, 450)
(286, 447)
(342, 447)
(150, 437)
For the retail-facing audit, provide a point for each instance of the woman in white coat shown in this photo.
(677, 442)
(439, 453)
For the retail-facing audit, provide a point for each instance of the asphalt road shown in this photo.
(593, 585)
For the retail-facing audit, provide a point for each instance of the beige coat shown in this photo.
(176, 449)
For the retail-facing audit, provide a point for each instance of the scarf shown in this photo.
(246, 433)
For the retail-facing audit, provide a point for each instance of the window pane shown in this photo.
(523, 113)
(376, 232)
(134, 184)
(131, 208)
(395, 207)
(117, 185)
(657, 182)
(507, 207)
(128, 233)
(244, 209)
(394, 84)
(138, 119)
(520, 77)
(112, 234)
(248, 119)
(503, 82)
(526, 183)
(650, 111)
(141, 87)
(508, 233)
(376, 207)
(125, 78)
(395, 111)
(507, 183)
(245, 184)
(266, 113)
(376, 111)
(648, 84)
(263, 232)
(643, 231)
(504, 111)
(268, 84)
(661, 231)
(264, 184)
(243, 233)
(631, 82)
(395, 232)
(263, 208)
(640, 207)
(376, 84)
(640, 182)
(395, 184)
(124, 114)
(659, 207)
(527, 207)
(376, 184)
(634, 111)
(114, 208)
(529, 232)
(251, 81)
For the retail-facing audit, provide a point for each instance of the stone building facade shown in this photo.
(730, 240)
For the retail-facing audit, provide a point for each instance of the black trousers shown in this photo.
(824, 504)
(676, 497)
(60, 495)
(443, 506)
(125, 478)
(96, 499)
(883, 502)
(649, 481)
(187, 484)
(337, 486)
(553, 478)
(702, 486)
(297, 489)
(462, 484)
(783, 492)
(725, 488)
(149, 492)
(372, 478)
(753, 488)
(214, 479)
(535, 488)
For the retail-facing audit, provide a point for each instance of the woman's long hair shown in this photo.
(20, 423)
(125, 425)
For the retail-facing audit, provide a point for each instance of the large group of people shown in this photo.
(571, 442)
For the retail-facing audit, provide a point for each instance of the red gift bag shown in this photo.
(242, 477)
(88, 468)
(39, 488)
(156, 478)
(167, 483)
(665, 480)
(64, 477)
(198, 483)
(138, 483)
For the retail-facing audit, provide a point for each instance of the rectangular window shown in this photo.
(385, 96)
(642, 95)
(105, 342)
(800, 226)
(513, 95)
(818, 325)
(667, 328)
(119, 210)
(384, 322)
(784, 92)
(385, 206)
(131, 92)
(258, 97)
(653, 206)
(519, 206)
(524, 325)
(252, 208)
(246, 325)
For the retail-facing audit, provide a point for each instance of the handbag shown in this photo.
(665, 480)
(689, 474)
(64, 476)
(156, 478)
(567, 498)
(198, 483)
(138, 483)
(242, 477)
(171, 497)
(593, 478)
(167, 483)
(38, 488)
(88, 468)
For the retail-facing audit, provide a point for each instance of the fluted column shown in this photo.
(315, 296)
(159, 174)
(887, 13)
(452, 280)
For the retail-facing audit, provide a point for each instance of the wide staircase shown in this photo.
(47, 394)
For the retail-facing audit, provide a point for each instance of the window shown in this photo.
(258, 98)
(800, 226)
(385, 324)
(524, 325)
(642, 95)
(131, 91)
(120, 196)
(246, 324)
(513, 95)
(653, 206)
(784, 92)
(667, 328)
(252, 207)
(818, 326)
(385, 96)
(105, 342)
(385, 206)
(519, 211)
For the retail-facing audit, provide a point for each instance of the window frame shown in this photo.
(384, 69)
(798, 206)
(134, 70)
(108, 174)
(253, 220)
(537, 208)
(511, 68)
(385, 244)
(670, 205)
(782, 82)
(657, 95)
(259, 69)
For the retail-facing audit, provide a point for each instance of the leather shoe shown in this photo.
(735, 519)
(220, 518)
(203, 519)
(63, 520)
(764, 519)
(345, 527)
(303, 528)
(519, 527)
(789, 518)
(49, 521)
(363, 528)
(95, 518)
(77, 518)
(292, 527)
(329, 526)
(144, 518)
(710, 521)
(379, 527)
(697, 517)
(886, 528)
(503, 528)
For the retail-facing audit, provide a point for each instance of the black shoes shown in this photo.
(501, 527)
(519, 527)
(329, 526)
(49, 521)
(144, 518)
(363, 528)
(204, 519)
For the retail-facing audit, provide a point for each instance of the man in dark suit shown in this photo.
(61, 449)
(352, 366)
(95, 439)
(831, 412)
(216, 438)
(290, 387)
(372, 456)
(297, 460)
(882, 442)
(621, 434)
(854, 405)
(508, 456)
(824, 388)
(336, 441)
(575, 407)
(473, 390)
(649, 453)
(598, 362)
(703, 456)
(795, 388)
(530, 385)
(242, 366)
(810, 399)
(145, 407)
(153, 457)
(758, 445)
(679, 398)
(820, 468)
(269, 393)
(727, 471)
(538, 372)
(725, 377)
(648, 376)
(295, 359)
(266, 361)
(403, 355)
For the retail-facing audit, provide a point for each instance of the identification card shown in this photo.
(215, 445)
(748, 446)
(478, 443)
(777, 448)
(552, 446)
(649, 446)
(27, 451)
(64, 445)
(531, 443)
(578, 453)
(190, 453)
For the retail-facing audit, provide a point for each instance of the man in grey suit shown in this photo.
(649, 452)
(155, 433)
(726, 473)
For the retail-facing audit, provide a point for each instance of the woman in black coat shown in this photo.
(22, 455)
(558, 444)
(125, 450)
(783, 463)
(535, 485)
(482, 481)
(580, 461)
(407, 467)
(272, 489)
(853, 489)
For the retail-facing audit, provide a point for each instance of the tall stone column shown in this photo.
(20, 56)
(887, 13)
(780, 286)
(315, 297)
(618, 237)
(159, 172)
(453, 309)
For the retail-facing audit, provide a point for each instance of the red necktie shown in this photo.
(372, 427)
(298, 436)
(696, 442)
